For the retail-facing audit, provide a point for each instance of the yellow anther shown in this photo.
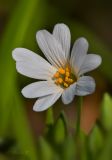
(57, 82)
(66, 79)
(67, 69)
(67, 74)
(60, 80)
(70, 80)
(56, 75)
(65, 85)
(63, 77)
(61, 71)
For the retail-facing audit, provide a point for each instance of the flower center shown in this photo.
(64, 77)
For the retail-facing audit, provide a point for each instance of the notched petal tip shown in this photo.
(51, 48)
(91, 62)
(62, 34)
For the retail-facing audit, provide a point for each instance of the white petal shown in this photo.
(91, 62)
(68, 94)
(44, 103)
(32, 65)
(39, 89)
(85, 86)
(78, 53)
(51, 48)
(62, 34)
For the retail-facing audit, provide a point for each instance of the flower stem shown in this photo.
(79, 116)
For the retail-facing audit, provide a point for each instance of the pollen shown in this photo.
(64, 77)
(65, 85)
(61, 71)
(70, 80)
(67, 74)
(60, 80)
(67, 69)
(56, 75)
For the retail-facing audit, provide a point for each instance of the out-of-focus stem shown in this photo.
(79, 116)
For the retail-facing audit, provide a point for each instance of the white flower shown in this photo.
(63, 76)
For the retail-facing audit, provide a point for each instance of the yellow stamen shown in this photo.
(56, 75)
(70, 80)
(61, 71)
(67, 74)
(66, 79)
(60, 80)
(67, 69)
(65, 84)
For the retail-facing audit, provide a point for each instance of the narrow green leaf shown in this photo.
(96, 141)
(107, 148)
(45, 150)
(69, 149)
(23, 132)
(13, 37)
(106, 112)
(11, 108)
(83, 146)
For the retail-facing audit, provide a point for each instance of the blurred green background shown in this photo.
(27, 135)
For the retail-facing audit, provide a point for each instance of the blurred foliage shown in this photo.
(17, 141)
(57, 143)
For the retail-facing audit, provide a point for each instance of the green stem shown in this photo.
(78, 135)
(79, 116)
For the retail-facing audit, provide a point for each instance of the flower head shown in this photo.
(64, 75)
